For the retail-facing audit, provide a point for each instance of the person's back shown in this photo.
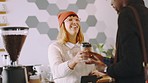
(128, 61)
(143, 14)
(129, 65)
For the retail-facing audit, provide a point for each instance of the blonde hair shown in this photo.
(63, 35)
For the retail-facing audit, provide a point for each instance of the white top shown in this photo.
(58, 55)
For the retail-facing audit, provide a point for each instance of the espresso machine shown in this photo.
(14, 38)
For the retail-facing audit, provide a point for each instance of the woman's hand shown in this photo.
(96, 59)
(77, 59)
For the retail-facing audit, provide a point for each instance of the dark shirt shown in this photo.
(129, 66)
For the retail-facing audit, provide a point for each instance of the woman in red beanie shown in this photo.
(64, 54)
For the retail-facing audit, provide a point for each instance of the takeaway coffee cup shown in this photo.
(86, 46)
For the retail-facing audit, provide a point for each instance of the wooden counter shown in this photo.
(105, 79)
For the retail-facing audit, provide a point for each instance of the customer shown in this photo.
(64, 57)
(128, 67)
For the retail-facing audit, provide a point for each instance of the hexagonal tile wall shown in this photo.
(93, 42)
(31, 0)
(32, 21)
(52, 33)
(72, 7)
(85, 9)
(43, 28)
(90, 1)
(72, 1)
(101, 26)
(62, 4)
(82, 15)
(42, 4)
(91, 9)
(52, 9)
(81, 4)
(91, 20)
(92, 32)
(101, 37)
(84, 26)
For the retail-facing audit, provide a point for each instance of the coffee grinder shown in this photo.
(14, 38)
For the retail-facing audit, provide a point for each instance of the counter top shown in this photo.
(105, 79)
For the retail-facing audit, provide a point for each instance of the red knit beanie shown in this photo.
(63, 15)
